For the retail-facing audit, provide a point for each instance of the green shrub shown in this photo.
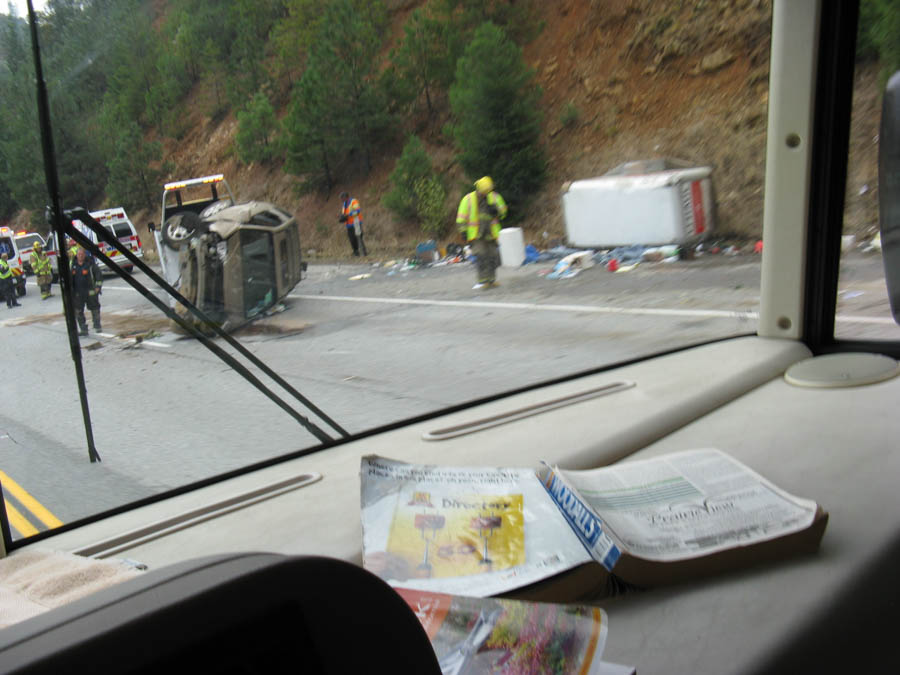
(412, 166)
(569, 115)
(431, 198)
(256, 129)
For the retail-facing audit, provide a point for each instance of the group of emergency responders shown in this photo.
(87, 281)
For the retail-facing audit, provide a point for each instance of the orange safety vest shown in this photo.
(352, 211)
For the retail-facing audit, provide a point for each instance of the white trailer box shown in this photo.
(646, 203)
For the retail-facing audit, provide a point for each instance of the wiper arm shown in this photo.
(52, 177)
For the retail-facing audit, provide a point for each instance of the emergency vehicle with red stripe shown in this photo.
(119, 225)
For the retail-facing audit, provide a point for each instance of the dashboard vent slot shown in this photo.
(527, 411)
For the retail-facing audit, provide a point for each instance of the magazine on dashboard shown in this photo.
(481, 531)
(493, 635)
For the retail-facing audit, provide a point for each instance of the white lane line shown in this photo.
(716, 313)
(149, 343)
(592, 309)
(637, 311)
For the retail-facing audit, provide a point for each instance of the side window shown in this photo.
(258, 260)
(863, 310)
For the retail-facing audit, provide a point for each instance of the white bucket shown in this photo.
(512, 247)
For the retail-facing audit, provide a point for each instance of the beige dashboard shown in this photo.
(835, 446)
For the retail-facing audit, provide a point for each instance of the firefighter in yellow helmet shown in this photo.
(479, 216)
(40, 265)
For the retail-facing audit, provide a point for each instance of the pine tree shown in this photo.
(495, 104)
(293, 35)
(313, 138)
(21, 171)
(412, 166)
(133, 182)
(425, 60)
(336, 112)
(257, 127)
(249, 22)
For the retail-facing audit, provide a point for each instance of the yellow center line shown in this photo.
(18, 521)
(39, 510)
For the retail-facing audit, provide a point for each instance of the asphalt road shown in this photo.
(368, 344)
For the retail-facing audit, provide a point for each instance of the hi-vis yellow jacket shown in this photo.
(40, 264)
(468, 218)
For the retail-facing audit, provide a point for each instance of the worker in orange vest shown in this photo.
(351, 216)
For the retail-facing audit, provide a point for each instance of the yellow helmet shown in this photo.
(37, 246)
(484, 185)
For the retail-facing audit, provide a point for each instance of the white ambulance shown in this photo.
(14, 258)
(118, 224)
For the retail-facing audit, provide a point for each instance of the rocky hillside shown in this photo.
(622, 80)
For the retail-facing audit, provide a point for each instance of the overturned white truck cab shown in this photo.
(234, 261)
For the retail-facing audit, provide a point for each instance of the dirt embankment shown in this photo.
(622, 80)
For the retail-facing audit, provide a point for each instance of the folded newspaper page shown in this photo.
(469, 531)
(684, 505)
(485, 531)
(487, 635)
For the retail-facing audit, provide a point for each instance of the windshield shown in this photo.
(862, 291)
(486, 196)
(27, 242)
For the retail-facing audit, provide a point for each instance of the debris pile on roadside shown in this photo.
(567, 262)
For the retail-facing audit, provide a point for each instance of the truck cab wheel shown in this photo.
(181, 228)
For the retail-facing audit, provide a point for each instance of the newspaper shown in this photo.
(483, 531)
(686, 504)
(486, 635)
(467, 531)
